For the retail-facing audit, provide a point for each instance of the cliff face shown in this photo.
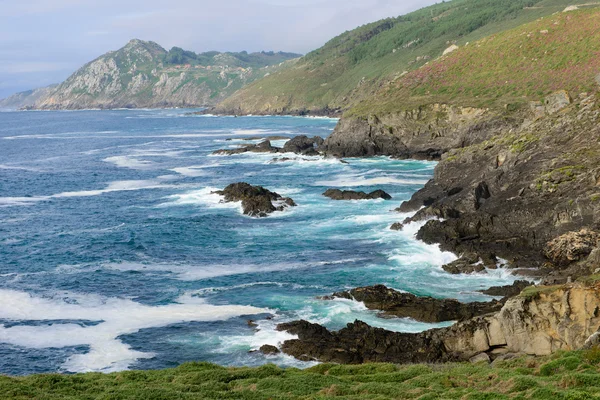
(138, 75)
(538, 322)
(517, 191)
(425, 132)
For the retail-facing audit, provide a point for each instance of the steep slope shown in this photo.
(520, 164)
(25, 99)
(143, 74)
(354, 65)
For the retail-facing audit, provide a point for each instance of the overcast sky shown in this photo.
(44, 41)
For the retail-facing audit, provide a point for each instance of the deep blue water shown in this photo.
(115, 254)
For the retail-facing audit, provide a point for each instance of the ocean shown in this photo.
(116, 254)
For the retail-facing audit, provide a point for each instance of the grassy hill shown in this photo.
(143, 74)
(558, 52)
(354, 65)
(566, 375)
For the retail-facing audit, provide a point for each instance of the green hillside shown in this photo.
(572, 375)
(558, 52)
(354, 65)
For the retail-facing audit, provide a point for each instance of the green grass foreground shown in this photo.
(565, 375)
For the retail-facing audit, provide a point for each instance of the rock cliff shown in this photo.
(540, 321)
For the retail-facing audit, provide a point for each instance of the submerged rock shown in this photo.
(336, 194)
(302, 145)
(267, 349)
(424, 309)
(256, 200)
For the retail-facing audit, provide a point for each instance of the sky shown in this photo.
(44, 41)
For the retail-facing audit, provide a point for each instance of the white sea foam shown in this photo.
(11, 167)
(353, 181)
(117, 186)
(191, 272)
(118, 317)
(129, 162)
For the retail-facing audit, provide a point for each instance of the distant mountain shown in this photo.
(143, 74)
(25, 99)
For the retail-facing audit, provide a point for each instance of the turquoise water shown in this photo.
(115, 254)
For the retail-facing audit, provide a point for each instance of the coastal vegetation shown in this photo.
(564, 375)
(355, 65)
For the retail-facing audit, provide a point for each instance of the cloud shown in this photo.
(45, 38)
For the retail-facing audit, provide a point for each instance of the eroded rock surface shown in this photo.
(256, 200)
(538, 323)
(336, 194)
(302, 145)
(425, 309)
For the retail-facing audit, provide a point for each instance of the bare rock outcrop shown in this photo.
(336, 194)
(392, 303)
(540, 321)
(572, 246)
(256, 200)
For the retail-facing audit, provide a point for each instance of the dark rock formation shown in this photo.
(262, 147)
(467, 264)
(267, 349)
(256, 200)
(360, 343)
(336, 194)
(397, 226)
(425, 309)
(303, 145)
(507, 291)
(420, 134)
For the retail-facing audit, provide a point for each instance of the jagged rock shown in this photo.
(425, 309)
(507, 291)
(256, 200)
(469, 263)
(556, 318)
(360, 343)
(557, 101)
(267, 349)
(397, 226)
(303, 145)
(571, 247)
(262, 147)
(336, 194)
(481, 357)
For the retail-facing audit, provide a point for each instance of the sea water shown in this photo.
(116, 254)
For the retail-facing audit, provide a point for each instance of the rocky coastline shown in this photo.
(512, 189)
